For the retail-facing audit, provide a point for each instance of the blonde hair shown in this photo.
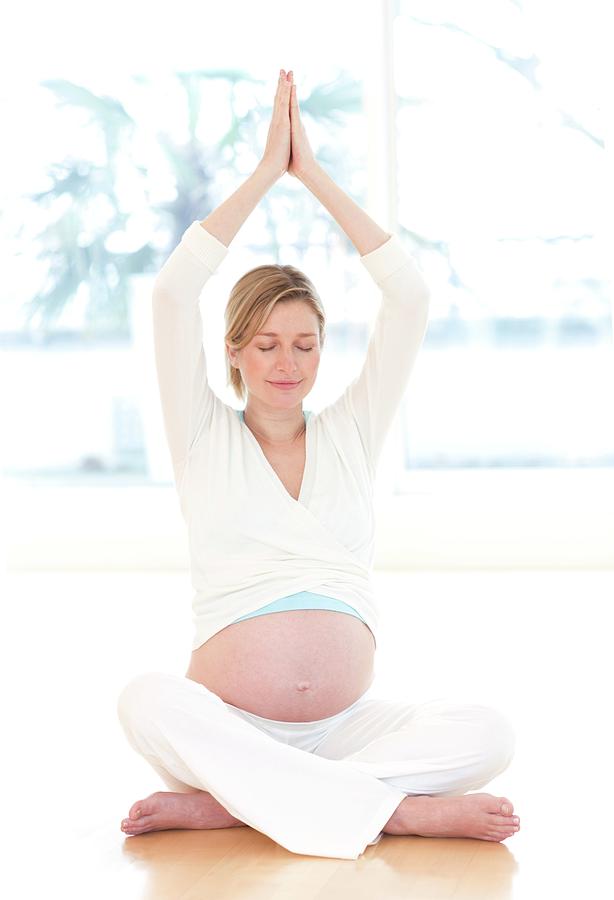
(252, 300)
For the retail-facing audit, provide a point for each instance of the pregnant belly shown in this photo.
(294, 666)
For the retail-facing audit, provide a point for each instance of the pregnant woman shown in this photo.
(274, 725)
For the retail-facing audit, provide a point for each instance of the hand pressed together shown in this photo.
(287, 147)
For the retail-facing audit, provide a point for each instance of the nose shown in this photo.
(287, 363)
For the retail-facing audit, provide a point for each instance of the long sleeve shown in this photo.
(396, 338)
(185, 395)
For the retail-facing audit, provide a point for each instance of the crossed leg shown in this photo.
(413, 811)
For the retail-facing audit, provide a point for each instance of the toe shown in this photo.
(143, 823)
(503, 821)
(141, 808)
(140, 820)
(506, 806)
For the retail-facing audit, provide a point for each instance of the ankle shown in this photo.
(408, 814)
(217, 814)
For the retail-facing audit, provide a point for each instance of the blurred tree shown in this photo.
(78, 187)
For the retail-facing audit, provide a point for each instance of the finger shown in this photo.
(283, 84)
(285, 93)
(279, 94)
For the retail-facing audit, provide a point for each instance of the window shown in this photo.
(500, 171)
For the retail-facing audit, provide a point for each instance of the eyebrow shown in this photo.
(274, 334)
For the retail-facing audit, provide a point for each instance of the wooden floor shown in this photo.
(535, 644)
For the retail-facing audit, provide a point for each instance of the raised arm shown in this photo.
(374, 396)
(185, 395)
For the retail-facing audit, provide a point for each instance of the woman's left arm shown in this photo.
(375, 394)
(364, 233)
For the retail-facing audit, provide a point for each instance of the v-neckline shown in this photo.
(269, 467)
(306, 470)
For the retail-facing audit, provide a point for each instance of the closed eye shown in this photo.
(304, 349)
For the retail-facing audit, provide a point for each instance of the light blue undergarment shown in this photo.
(302, 599)
(239, 412)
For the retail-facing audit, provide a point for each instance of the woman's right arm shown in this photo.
(185, 394)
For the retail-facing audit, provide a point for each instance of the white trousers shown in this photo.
(322, 788)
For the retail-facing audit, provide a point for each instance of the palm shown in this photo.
(287, 148)
(301, 154)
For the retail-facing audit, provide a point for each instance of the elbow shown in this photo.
(422, 297)
(159, 294)
(418, 287)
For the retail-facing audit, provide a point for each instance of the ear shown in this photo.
(232, 355)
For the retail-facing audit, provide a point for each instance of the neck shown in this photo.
(275, 431)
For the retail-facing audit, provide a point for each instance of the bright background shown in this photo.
(475, 130)
(466, 127)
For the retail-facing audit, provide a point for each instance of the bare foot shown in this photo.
(167, 809)
(480, 816)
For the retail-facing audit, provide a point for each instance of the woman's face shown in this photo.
(286, 349)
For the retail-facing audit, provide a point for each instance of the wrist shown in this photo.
(268, 173)
(311, 174)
